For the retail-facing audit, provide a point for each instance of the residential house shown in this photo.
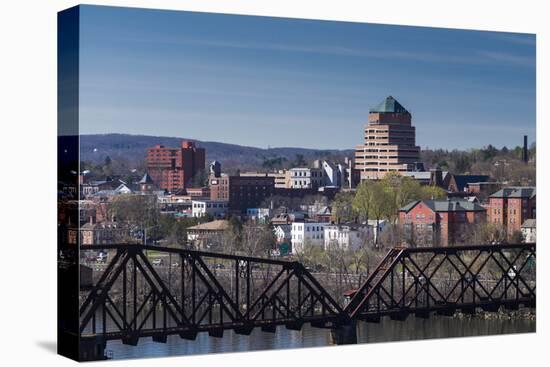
(305, 234)
(377, 227)
(529, 231)
(287, 218)
(208, 235)
(324, 215)
(283, 233)
(345, 236)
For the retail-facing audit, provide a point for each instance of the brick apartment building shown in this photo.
(280, 177)
(439, 222)
(389, 142)
(173, 168)
(245, 191)
(249, 191)
(511, 206)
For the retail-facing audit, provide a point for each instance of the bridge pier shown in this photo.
(92, 348)
(344, 334)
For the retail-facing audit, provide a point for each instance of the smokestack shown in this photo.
(525, 156)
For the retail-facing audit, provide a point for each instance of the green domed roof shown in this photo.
(391, 105)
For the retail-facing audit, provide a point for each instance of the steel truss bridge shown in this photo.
(193, 291)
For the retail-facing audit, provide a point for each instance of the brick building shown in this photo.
(249, 191)
(389, 142)
(219, 187)
(511, 206)
(482, 190)
(281, 177)
(439, 222)
(173, 168)
(460, 183)
(104, 233)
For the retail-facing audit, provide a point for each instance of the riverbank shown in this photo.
(523, 314)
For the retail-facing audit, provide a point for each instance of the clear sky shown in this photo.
(278, 82)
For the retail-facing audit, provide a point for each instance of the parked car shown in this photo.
(101, 257)
(157, 262)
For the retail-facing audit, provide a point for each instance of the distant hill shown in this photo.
(95, 148)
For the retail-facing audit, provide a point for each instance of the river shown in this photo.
(385, 331)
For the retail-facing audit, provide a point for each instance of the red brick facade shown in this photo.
(510, 207)
(438, 222)
(172, 168)
(219, 187)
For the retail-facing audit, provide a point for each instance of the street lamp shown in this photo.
(145, 233)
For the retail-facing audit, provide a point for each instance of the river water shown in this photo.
(385, 331)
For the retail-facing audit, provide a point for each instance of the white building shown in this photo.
(215, 208)
(305, 178)
(259, 215)
(346, 237)
(332, 174)
(377, 227)
(283, 233)
(529, 231)
(307, 233)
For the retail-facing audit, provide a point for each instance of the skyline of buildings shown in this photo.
(389, 146)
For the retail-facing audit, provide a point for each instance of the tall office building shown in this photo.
(173, 168)
(390, 144)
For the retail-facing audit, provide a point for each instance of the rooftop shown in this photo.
(463, 180)
(529, 223)
(453, 205)
(391, 105)
(422, 175)
(216, 225)
(146, 179)
(516, 192)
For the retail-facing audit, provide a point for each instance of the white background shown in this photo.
(28, 180)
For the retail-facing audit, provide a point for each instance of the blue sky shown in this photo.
(277, 82)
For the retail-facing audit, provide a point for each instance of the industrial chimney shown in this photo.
(525, 156)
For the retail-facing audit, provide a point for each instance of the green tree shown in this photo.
(299, 161)
(342, 207)
(400, 191)
(363, 199)
(432, 193)
(382, 204)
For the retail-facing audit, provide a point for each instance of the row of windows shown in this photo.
(247, 188)
(318, 236)
(209, 205)
(384, 170)
(337, 234)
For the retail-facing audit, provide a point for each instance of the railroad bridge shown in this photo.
(188, 292)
